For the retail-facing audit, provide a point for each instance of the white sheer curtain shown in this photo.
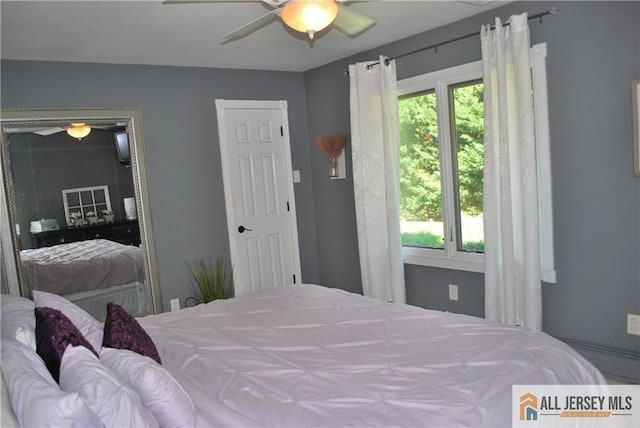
(375, 144)
(512, 260)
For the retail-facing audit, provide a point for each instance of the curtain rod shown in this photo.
(552, 11)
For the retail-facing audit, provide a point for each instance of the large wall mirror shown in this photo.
(76, 218)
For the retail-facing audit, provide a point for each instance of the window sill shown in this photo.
(470, 262)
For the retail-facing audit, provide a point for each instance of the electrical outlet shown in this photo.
(175, 305)
(453, 292)
(633, 324)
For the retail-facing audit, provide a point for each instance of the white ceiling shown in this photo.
(148, 32)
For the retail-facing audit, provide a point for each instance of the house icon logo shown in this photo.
(528, 407)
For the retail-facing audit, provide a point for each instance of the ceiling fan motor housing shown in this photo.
(275, 3)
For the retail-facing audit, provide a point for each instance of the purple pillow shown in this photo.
(122, 331)
(54, 332)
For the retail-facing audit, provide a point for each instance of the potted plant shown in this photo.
(75, 219)
(211, 280)
(92, 217)
(108, 216)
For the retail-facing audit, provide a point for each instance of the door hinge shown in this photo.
(288, 209)
(281, 132)
(294, 278)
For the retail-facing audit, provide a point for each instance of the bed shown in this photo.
(89, 273)
(307, 355)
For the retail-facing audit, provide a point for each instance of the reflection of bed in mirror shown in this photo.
(90, 273)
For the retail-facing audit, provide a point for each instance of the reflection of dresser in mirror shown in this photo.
(126, 232)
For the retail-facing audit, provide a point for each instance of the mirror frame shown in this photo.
(62, 117)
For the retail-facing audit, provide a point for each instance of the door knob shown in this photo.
(241, 229)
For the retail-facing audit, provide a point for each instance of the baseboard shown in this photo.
(621, 365)
(617, 380)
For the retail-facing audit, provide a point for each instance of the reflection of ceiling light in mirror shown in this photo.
(309, 16)
(79, 130)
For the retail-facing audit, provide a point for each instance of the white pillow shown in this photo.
(18, 319)
(115, 403)
(7, 418)
(90, 328)
(160, 392)
(36, 399)
(26, 336)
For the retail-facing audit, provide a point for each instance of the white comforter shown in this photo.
(304, 355)
(81, 266)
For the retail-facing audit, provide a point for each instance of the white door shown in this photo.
(258, 187)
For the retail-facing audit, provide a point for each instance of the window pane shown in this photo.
(467, 110)
(73, 199)
(86, 198)
(421, 221)
(98, 196)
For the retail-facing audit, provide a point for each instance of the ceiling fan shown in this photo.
(77, 130)
(305, 16)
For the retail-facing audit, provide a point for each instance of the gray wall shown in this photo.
(181, 145)
(593, 54)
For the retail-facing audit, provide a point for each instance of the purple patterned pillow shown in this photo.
(54, 332)
(122, 331)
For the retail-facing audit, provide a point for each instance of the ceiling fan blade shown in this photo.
(49, 131)
(207, 1)
(32, 129)
(109, 126)
(252, 26)
(350, 22)
(272, 3)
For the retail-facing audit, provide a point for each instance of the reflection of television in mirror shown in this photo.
(122, 147)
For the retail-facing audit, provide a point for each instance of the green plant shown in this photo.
(211, 280)
(422, 239)
(429, 240)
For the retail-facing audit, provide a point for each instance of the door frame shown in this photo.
(221, 106)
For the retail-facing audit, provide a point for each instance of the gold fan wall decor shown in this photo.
(332, 147)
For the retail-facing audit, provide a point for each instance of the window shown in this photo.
(85, 199)
(441, 167)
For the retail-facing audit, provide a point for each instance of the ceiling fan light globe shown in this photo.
(309, 16)
(78, 130)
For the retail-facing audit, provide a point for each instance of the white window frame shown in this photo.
(543, 154)
(439, 81)
(81, 207)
